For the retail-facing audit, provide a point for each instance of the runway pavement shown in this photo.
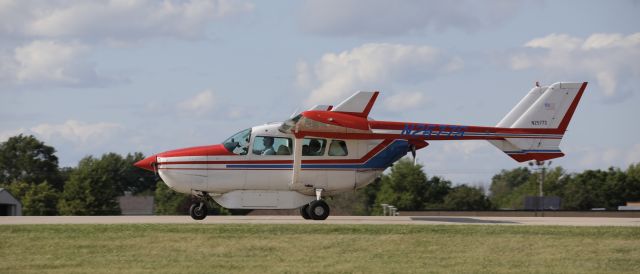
(415, 220)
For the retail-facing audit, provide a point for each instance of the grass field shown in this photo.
(318, 248)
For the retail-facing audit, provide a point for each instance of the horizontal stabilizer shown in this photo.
(522, 155)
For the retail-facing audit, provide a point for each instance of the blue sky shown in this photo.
(90, 77)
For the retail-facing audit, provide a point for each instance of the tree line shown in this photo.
(29, 169)
(408, 188)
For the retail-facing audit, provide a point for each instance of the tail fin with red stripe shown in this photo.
(544, 115)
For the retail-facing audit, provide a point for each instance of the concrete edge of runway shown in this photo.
(414, 220)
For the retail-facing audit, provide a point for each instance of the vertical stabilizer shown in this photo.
(544, 108)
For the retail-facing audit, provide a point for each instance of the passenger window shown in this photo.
(267, 145)
(338, 148)
(313, 147)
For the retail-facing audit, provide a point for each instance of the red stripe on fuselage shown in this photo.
(467, 129)
(273, 169)
(370, 136)
(197, 151)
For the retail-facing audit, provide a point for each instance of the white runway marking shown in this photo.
(417, 220)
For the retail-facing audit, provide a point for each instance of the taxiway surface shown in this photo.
(417, 220)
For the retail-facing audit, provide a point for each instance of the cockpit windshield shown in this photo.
(239, 142)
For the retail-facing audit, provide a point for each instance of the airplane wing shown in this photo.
(350, 116)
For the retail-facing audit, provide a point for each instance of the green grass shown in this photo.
(210, 248)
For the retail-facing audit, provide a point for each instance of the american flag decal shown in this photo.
(549, 106)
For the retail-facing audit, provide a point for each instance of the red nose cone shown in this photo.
(147, 163)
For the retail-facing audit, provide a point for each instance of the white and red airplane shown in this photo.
(327, 150)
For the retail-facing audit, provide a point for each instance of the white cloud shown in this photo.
(303, 75)
(465, 148)
(5, 135)
(115, 19)
(633, 155)
(603, 157)
(555, 42)
(379, 17)
(373, 67)
(77, 132)
(611, 40)
(405, 100)
(470, 162)
(611, 59)
(48, 43)
(200, 104)
(49, 63)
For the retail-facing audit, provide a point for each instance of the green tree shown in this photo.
(92, 188)
(370, 193)
(437, 190)
(37, 199)
(632, 187)
(26, 159)
(504, 183)
(555, 180)
(169, 202)
(633, 171)
(582, 191)
(464, 197)
(510, 187)
(124, 175)
(136, 180)
(349, 203)
(408, 188)
(597, 188)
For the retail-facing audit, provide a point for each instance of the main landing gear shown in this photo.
(316, 210)
(198, 209)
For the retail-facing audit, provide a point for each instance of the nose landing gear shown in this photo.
(198, 209)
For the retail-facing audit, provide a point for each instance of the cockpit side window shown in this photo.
(239, 142)
(338, 148)
(267, 145)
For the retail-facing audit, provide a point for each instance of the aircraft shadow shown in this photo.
(460, 220)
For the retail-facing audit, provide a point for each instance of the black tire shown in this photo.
(304, 212)
(318, 210)
(198, 211)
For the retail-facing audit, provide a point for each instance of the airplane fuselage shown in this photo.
(247, 171)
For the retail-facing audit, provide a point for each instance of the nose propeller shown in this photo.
(155, 169)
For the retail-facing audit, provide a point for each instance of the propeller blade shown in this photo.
(295, 112)
(155, 170)
(413, 153)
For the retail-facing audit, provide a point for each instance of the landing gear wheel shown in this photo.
(198, 211)
(304, 212)
(318, 210)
